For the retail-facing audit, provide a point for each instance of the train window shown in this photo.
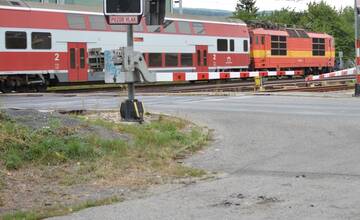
(198, 28)
(205, 58)
(302, 33)
(155, 59)
(278, 46)
(246, 46)
(154, 28)
(232, 45)
(15, 40)
(171, 59)
(222, 45)
(262, 40)
(187, 59)
(184, 27)
(199, 57)
(318, 47)
(292, 33)
(15, 3)
(72, 58)
(40, 41)
(97, 22)
(257, 40)
(169, 27)
(82, 58)
(76, 21)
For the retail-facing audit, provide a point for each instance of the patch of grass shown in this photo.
(74, 158)
(59, 211)
(157, 144)
(20, 216)
(50, 146)
(189, 172)
(2, 203)
(154, 145)
(2, 187)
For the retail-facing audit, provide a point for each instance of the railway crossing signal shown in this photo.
(121, 12)
(124, 65)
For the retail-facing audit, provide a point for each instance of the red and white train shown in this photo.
(54, 42)
(49, 43)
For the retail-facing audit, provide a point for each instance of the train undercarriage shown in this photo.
(24, 83)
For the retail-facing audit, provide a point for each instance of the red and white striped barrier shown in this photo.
(347, 72)
(196, 76)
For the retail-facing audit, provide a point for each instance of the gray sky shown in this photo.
(262, 4)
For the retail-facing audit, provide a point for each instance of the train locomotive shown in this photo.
(49, 44)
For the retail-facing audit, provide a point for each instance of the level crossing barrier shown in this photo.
(198, 76)
(347, 72)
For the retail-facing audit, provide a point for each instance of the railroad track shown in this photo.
(171, 88)
(278, 85)
(272, 86)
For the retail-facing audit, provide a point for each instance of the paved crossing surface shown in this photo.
(278, 157)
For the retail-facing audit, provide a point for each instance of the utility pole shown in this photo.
(130, 44)
(357, 47)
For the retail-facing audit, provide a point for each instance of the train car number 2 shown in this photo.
(57, 57)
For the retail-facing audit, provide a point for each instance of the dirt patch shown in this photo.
(39, 120)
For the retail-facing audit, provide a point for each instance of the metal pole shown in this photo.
(356, 33)
(130, 43)
(357, 48)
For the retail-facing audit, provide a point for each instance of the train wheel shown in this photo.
(6, 89)
(22, 89)
(41, 88)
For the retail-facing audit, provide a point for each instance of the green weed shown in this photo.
(21, 216)
(59, 211)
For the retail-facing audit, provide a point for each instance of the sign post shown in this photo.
(357, 43)
(127, 12)
(123, 64)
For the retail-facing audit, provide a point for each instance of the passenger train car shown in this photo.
(47, 44)
(63, 43)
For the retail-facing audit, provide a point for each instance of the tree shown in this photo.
(246, 10)
(285, 16)
(319, 17)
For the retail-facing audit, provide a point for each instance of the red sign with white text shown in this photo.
(123, 20)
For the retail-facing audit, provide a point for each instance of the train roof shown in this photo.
(211, 19)
(289, 32)
(91, 10)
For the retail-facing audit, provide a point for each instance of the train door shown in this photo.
(77, 66)
(202, 58)
(260, 43)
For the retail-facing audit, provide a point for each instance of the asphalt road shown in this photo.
(278, 158)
